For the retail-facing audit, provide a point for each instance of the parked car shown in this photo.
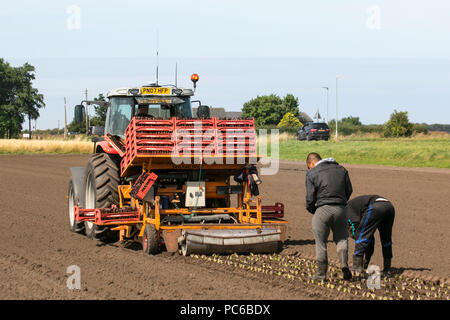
(314, 131)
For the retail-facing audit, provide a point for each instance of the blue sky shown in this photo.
(389, 54)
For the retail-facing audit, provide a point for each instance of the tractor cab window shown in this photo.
(119, 115)
(165, 108)
(157, 111)
(184, 110)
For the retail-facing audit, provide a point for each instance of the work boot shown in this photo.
(366, 262)
(347, 273)
(386, 266)
(321, 271)
(343, 257)
(357, 264)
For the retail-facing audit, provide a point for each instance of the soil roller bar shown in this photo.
(223, 241)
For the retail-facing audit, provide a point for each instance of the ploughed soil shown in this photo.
(36, 246)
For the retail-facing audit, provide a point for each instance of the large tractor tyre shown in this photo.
(75, 226)
(150, 240)
(102, 180)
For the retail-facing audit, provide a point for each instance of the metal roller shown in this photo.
(209, 241)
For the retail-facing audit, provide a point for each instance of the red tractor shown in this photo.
(166, 178)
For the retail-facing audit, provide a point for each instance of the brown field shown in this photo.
(36, 246)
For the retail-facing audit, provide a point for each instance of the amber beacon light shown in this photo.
(194, 79)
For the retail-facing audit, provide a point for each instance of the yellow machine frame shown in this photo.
(153, 215)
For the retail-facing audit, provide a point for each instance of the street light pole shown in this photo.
(327, 101)
(337, 77)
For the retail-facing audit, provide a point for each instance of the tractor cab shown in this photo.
(157, 102)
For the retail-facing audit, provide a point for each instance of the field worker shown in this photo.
(365, 215)
(328, 188)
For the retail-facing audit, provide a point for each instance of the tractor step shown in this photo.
(103, 216)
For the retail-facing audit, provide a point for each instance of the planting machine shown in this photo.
(172, 181)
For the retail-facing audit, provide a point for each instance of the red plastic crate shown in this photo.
(188, 137)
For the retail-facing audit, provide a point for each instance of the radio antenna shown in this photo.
(157, 55)
(176, 74)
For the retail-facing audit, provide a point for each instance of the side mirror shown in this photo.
(196, 101)
(203, 112)
(79, 113)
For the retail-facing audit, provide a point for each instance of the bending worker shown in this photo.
(365, 215)
(328, 188)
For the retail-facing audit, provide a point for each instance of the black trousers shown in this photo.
(380, 215)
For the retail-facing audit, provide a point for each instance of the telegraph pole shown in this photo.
(65, 119)
(86, 113)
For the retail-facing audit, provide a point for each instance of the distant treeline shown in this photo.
(352, 125)
(439, 127)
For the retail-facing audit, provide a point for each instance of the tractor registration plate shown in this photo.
(156, 90)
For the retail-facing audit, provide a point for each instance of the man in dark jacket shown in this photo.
(328, 188)
(365, 215)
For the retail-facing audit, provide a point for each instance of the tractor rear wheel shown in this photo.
(102, 180)
(75, 226)
(150, 239)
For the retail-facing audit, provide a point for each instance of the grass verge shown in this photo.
(405, 152)
(19, 146)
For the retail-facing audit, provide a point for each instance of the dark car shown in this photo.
(314, 131)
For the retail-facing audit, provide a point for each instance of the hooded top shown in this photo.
(328, 183)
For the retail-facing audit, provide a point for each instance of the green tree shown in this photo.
(18, 98)
(100, 112)
(76, 127)
(10, 121)
(269, 110)
(420, 128)
(290, 104)
(289, 120)
(29, 99)
(353, 121)
(10, 116)
(398, 125)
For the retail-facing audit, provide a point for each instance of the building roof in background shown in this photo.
(234, 114)
(220, 113)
